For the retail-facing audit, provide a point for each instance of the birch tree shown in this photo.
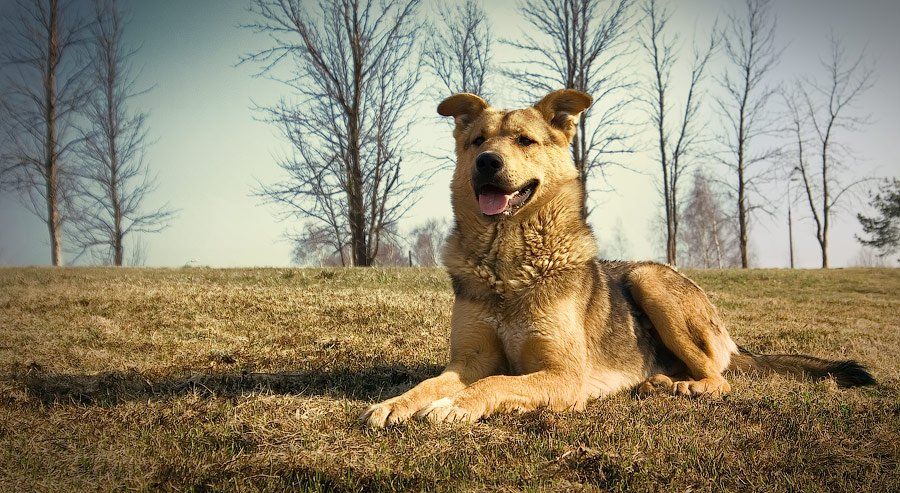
(114, 179)
(43, 70)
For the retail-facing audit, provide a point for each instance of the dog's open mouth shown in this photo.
(494, 201)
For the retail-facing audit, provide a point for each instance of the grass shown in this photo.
(251, 379)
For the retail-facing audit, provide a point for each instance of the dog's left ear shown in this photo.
(562, 108)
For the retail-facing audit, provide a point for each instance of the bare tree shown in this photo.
(867, 257)
(351, 65)
(828, 107)
(459, 51)
(393, 251)
(583, 45)
(43, 88)
(114, 179)
(710, 236)
(315, 246)
(138, 255)
(751, 54)
(676, 142)
(428, 241)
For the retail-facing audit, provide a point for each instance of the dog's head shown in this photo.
(511, 161)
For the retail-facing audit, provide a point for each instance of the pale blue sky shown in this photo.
(209, 150)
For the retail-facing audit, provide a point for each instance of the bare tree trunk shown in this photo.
(579, 156)
(117, 243)
(826, 210)
(118, 234)
(673, 245)
(718, 243)
(354, 184)
(825, 249)
(354, 180)
(790, 233)
(742, 200)
(658, 65)
(108, 42)
(53, 222)
(743, 236)
(741, 146)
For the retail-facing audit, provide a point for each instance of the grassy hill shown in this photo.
(252, 379)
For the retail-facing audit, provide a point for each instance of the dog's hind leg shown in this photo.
(687, 324)
(656, 384)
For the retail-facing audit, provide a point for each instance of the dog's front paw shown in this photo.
(387, 413)
(449, 410)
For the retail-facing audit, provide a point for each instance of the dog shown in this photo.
(538, 320)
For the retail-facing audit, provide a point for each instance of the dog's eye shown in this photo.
(478, 141)
(525, 141)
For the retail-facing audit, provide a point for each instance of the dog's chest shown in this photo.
(514, 332)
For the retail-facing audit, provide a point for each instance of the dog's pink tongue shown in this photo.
(493, 203)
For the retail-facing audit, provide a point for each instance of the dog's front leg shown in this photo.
(475, 352)
(555, 366)
(555, 390)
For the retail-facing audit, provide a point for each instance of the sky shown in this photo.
(210, 151)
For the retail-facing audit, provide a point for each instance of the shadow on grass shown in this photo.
(107, 388)
(290, 478)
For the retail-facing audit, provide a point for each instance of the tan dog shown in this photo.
(538, 320)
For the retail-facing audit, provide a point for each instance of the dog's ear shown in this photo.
(562, 108)
(463, 107)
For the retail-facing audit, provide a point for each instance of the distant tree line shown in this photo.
(721, 131)
(346, 62)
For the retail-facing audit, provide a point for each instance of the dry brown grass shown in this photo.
(196, 379)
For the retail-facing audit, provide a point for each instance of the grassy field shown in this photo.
(202, 379)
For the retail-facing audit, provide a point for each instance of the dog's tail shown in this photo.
(847, 373)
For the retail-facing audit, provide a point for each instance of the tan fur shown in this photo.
(538, 321)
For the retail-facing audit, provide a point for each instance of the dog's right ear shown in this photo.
(463, 107)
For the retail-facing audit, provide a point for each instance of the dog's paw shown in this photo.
(656, 384)
(706, 387)
(387, 413)
(448, 410)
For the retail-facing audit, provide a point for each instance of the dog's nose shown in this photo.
(488, 163)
